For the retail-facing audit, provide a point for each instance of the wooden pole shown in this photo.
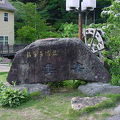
(80, 32)
(80, 27)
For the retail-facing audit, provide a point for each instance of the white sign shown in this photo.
(85, 5)
(72, 4)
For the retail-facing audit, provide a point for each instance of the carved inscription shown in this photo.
(48, 69)
(36, 53)
(77, 67)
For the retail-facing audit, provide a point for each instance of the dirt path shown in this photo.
(4, 67)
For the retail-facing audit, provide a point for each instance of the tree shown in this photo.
(112, 29)
(26, 34)
(100, 5)
(54, 11)
(27, 15)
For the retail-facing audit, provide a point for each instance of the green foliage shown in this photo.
(10, 97)
(112, 12)
(69, 30)
(67, 83)
(114, 65)
(2, 86)
(26, 34)
(55, 12)
(74, 83)
(41, 14)
(29, 25)
(115, 80)
(113, 44)
(56, 84)
(32, 18)
(100, 5)
(51, 34)
(112, 40)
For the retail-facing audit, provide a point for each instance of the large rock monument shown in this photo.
(56, 60)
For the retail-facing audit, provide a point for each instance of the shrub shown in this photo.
(115, 80)
(26, 34)
(10, 97)
(67, 83)
(56, 84)
(69, 30)
(73, 83)
(2, 87)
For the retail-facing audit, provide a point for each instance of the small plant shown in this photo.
(10, 97)
(56, 84)
(73, 83)
(67, 83)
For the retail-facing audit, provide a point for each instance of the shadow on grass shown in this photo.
(3, 73)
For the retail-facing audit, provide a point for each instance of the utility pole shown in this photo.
(80, 6)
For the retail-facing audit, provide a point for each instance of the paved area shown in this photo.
(116, 117)
(4, 67)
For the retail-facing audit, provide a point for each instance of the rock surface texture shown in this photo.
(78, 103)
(92, 89)
(44, 89)
(56, 60)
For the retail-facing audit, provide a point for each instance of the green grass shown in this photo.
(104, 115)
(3, 76)
(53, 107)
(58, 105)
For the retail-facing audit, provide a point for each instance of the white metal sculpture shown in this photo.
(94, 40)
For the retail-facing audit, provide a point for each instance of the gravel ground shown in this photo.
(116, 117)
(4, 67)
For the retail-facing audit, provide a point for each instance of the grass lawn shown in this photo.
(53, 107)
(3, 76)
